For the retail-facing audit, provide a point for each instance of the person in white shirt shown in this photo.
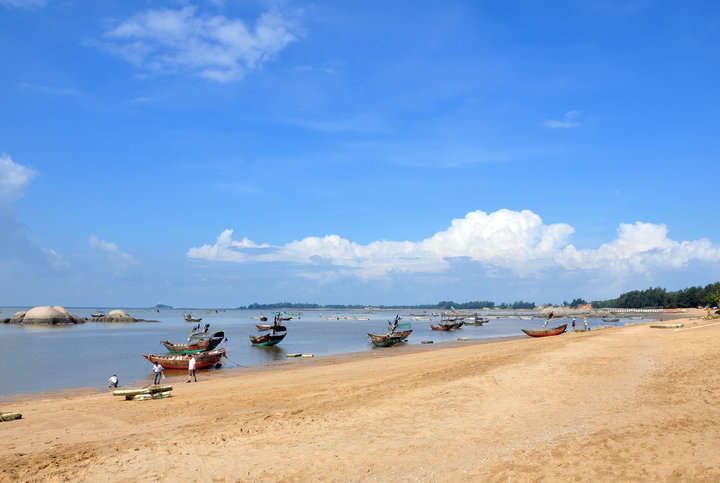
(158, 372)
(191, 368)
(113, 381)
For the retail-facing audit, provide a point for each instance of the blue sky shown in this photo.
(222, 153)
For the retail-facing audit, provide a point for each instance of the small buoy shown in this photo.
(427, 342)
(293, 355)
(308, 355)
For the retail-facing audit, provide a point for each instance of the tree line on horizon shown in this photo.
(635, 299)
(660, 298)
(444, 305)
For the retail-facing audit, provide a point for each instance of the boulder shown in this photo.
(45, 315)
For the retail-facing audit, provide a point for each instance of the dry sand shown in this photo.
(626, 404)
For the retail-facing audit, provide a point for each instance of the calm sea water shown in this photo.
(40, 358)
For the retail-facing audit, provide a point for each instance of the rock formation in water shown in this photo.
(44, 315)
(118, 315)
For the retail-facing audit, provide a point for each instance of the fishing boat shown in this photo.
(382, 340)
(203, 360)
(402, 335)
(276, 334)
(200, 345)
(546, 332)
(263, 327)
(189, 318)
(441, 327)
(476, 320)
(266, 340)
(198, 333)
(98, 313)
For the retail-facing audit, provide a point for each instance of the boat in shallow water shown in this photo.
(203, 360)
(190, 318)
(197, 345)
(267, 339)
(546, 332)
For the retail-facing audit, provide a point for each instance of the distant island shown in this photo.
(163, 306)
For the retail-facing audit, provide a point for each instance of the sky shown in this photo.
(227, 152)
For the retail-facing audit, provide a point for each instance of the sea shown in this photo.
(38, 358)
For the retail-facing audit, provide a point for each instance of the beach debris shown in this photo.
(426, 342)
(666, 326)
(463, 338)
(10, 416)
(308, 355)
(295, 354)
(144, 393)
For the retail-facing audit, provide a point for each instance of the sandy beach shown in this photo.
(620, 404)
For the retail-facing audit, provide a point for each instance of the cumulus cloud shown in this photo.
(117, 259)
(14, 179)
(215, 47)
(504, 241)
(17, 249)
(570, 120)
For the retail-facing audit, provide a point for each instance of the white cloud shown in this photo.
(117, 259)
(568, 122)
(214, 47)
(503, 241)
(23, 3)
(14, 178)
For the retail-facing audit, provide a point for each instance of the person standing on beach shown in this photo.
(585, 323)
(191, 368)
(573, 323)
(158, 372)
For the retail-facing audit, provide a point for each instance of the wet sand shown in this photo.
(619, 404)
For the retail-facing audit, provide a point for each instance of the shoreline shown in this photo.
(524, 409)
(179, 376)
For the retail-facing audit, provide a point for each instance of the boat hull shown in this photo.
(546, 332)
(267, 339)
(382, 340)
(203, 360)
(197, 346)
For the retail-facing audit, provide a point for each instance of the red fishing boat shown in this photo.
(546, 332)
(180, 361)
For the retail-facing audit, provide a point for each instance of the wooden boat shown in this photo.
(179, 361)
(266, 340)
(196, 346)
(382, 340)
(442, 327)
(402, 335)
(263, 327)
(476, 321)
(546, 332)
(197, 334)
(189, 318)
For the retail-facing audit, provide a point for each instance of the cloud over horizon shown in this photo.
(214, 47)
(504, 241)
